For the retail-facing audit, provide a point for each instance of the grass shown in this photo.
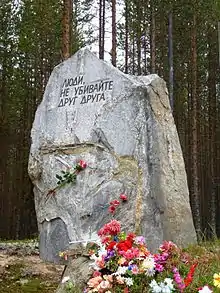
(13, 282)
(207, 255)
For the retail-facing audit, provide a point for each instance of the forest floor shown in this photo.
(22, 271)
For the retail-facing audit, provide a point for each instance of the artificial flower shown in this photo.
(111, 228)
(139, 240)
(115, 202)
(121, 270)
(189, 278)
(94, 282)
(205, 289)
(96, 274)
(167, 246)
(108, 278)
(112, 209)
(105, 285)
(111, 245)
(124, 245)
(179, 281)
(216, 280)
(121, 260)
(82, 164)
(148, 263)
(135, 269)
(123, 197)
(155, 287)
(120, 279)
(163, 287)
(128, 281)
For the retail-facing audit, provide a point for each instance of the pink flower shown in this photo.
(167, 246)
(159, 267)
(135, 270)
(140, 240)
(100, 262)
(105, 285)
(115, 202)
(108, 278)
(119, 280)
(111, 228)
(130, 253)
(94, 282)
(111, 209)
(179, 281)
(96, 274)
(123, 197)
(82, 164)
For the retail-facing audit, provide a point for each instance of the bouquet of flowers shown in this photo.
(122, 263)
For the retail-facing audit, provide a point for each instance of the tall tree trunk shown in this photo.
(139, 17)
(114, 53)
(101, 29)
(66, 28)
(195, 200)
(126, 36)
(152, 39)
(170, 56)
(133, 55)
(219, 42)
(212, 127)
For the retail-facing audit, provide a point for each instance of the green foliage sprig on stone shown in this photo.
(68, 176)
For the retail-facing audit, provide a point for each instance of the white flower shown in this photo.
(162, 287)
(155, 287)
(121, 270)
(169, 283)
(205, 289)
(93, 257)
(65, 279)
(128, 281)
(165, 288)
(150, 273)
(148, 263)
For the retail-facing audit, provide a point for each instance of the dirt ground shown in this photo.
(27, 273)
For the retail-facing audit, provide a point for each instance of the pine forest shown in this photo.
(177, 39)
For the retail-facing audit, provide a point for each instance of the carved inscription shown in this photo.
(74, 90)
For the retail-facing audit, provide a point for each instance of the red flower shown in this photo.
(82, 164)
(189, 278)
(124, 245)
(96, 274)
(123, 197)
(111, 209)
(111, 245)
(115, 202)
(131, 236)
(126, 290)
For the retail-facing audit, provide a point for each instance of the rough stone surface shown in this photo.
(78, 270)
(122, 126)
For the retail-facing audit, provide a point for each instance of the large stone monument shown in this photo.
(123, 128)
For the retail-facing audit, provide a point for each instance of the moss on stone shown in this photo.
(128, 167)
